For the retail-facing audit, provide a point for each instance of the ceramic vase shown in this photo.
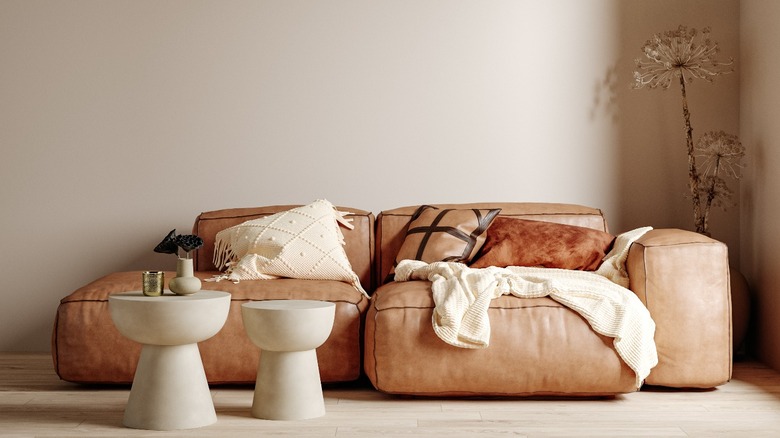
(185, 282)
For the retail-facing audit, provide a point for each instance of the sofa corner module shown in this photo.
(683, 279)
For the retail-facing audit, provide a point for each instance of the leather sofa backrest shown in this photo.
(359, 242)
(392, 224)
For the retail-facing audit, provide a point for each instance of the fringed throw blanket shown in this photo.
(462, 297)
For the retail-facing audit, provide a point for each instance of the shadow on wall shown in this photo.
(605, 96)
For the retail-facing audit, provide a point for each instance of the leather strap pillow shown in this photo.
(522, 242)
(451, 235)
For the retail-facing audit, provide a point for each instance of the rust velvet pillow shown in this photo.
(449, 235)
(522, 242)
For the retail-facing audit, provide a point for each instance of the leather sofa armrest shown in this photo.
(683, 279)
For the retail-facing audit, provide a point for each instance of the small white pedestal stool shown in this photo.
(169, 389)
(288, 377)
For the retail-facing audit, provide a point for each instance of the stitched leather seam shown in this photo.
(535, 306)
(663, 245)
(231, 299)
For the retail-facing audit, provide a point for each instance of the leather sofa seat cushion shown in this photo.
(537, 348)
(87, 348)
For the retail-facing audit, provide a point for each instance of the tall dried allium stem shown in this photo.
(679, 54)
(693, 174)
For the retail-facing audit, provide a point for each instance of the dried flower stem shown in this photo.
(693, 174)
(711, 194)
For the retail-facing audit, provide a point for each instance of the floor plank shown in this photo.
(35, 403)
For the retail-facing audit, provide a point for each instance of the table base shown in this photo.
(169, 390)
(288, 386)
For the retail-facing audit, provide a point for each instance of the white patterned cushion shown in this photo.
(304, 242)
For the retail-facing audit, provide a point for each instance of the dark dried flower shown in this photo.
(171, 243)
(188, 242)
(168, 244)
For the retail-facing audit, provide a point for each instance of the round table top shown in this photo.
(169, 319)
(169, 296)
(288, 304)
(288, 325)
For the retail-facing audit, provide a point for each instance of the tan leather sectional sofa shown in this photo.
(537, 346)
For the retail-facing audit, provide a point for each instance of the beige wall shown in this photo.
(760, 130)
(124, 119)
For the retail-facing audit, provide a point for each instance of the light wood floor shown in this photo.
(34, 402)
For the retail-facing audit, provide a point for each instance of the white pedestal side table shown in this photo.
(169, 389)
(288, 377)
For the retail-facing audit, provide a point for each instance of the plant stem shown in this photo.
(693, 175)
(711, 195)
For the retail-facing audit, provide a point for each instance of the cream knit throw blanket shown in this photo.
(462, 297)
